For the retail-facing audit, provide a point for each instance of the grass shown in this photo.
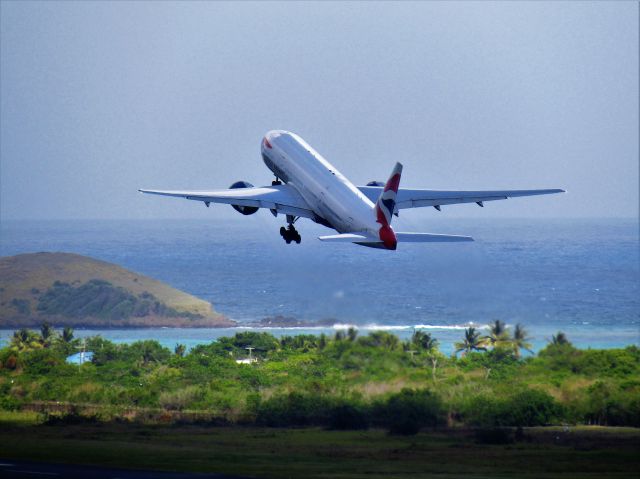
(316, 453)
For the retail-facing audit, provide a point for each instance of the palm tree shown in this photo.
(520, 340)
(383, 339)
(559, 339)
(67, 334)
(25, 340)
(47, 333)
(424, 341)
(352, 334)
(472, 342)
(498, 334)
(180, 349)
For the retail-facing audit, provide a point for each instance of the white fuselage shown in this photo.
(331, 196)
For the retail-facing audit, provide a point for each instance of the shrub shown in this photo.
(41, 361)
(180, 399)
(532, 407)
(409, 410)
(348, 416)
(528, 407)
(293, 409)
(607, 405)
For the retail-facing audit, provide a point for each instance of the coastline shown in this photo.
(582, 336)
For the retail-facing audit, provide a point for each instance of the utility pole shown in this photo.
(250, 349)
(83, 349)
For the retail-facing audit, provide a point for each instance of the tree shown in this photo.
(520, 340)
(498, 334)
(179, 350)
(424, 341)
(25, 340)
(409, 410)
(560, 339)
(352, 334)
(380, 339)
(47, 333)
(67, 334)
(472, 342)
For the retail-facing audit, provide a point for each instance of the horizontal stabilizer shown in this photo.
(349, 238)
(430, 238)
(401, 237)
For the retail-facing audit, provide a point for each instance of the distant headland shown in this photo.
(71, 289)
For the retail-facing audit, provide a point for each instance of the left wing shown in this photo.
(281, 198)
(409, 198)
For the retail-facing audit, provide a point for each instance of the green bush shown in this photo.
(41, 361)
(608, 405)
(408, 411)
(348, 416)
(293, 409)
(528, 407)
(179, 399)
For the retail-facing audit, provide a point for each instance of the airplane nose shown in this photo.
(267, 141)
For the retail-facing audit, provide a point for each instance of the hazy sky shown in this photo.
(99, 99)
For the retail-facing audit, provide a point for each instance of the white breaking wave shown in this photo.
(371, 327)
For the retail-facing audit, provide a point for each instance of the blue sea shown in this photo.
(581, 276)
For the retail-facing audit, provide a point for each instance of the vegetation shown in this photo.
(347, 382)
(100, 299)
(578, 453)
(69, 289)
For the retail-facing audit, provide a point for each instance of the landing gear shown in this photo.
(290, 233)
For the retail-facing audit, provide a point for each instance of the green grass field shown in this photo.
(316, 453)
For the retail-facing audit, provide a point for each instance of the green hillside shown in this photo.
(70, 289)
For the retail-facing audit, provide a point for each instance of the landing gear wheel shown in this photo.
(290, 234)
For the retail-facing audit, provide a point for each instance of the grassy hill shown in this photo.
(70, 289)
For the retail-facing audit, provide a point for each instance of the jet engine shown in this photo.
(245, 210)
(375, 183)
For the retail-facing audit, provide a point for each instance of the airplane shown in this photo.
(308, 186)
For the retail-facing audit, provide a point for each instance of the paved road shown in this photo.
(10, 469)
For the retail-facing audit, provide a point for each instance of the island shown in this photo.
(74, 290)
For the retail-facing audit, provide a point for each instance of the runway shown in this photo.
(10, 469)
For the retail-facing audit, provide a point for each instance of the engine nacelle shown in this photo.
(375, 183)
(245, 210)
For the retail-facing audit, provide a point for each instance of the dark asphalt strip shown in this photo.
(10, 469)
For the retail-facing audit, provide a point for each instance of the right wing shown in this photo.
(410, 198)
(281, 198)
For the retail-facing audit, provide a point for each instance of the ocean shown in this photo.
(581, 276)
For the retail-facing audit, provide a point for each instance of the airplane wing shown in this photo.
(281, 198)
(410, 198)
